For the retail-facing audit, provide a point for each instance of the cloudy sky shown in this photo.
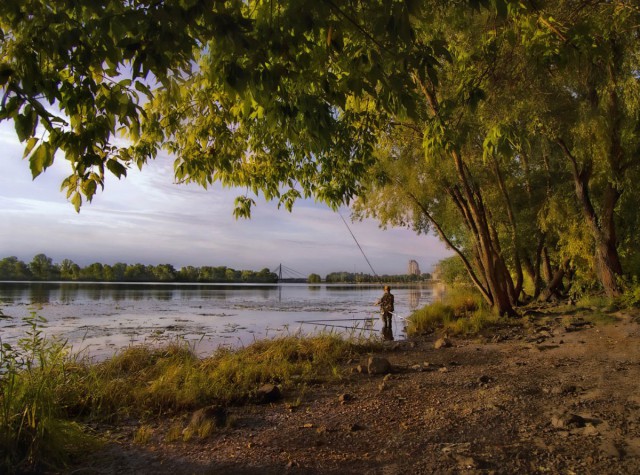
(147, 218)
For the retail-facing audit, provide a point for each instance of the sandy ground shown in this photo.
(556, 395)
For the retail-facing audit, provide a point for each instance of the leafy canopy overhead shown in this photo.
(281, 97)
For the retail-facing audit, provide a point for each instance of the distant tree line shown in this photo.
(357, 278)
(43, 268)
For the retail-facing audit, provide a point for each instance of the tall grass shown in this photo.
(46, 394)
(143, 380)
(34, 432)
(461, 312)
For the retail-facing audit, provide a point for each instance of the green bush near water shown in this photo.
(461, 312)
(46, 395)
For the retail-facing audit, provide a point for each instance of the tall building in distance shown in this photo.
(414, 268)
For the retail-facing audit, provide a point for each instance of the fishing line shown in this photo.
(359, 247)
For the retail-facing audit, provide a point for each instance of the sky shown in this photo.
(147, 218)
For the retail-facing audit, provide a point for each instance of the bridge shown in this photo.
(287, 274)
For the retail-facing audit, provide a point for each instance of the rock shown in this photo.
(378, 365)
(442, 343)
(465, 461)
(484, 379)
(345, 398)
(590, 430)
(568, 420)
(216, 414)
(268, 393)
(443, 369)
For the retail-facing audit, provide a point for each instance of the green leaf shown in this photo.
(5, 73)
(41, 159)
(26, 123)
(76, 201)
(142, 87)
(30, 144)
(117, 168)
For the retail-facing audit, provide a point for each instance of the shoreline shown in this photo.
(556, 394)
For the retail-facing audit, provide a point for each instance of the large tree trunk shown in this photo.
(608, 266)
(499, 285)
(556, 282)
(496, 274)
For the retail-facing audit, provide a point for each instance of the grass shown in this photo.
(46, 395)
(461, 312)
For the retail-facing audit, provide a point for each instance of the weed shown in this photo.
(460, 312)
(45, 393)
(143, 435)
(174, 433)
(34, 377)
(600, 318)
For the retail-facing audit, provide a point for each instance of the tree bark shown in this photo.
(608, 266)
(555, 283)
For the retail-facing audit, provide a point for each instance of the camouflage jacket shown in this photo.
(386, 303)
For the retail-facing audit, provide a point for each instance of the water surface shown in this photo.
(100, 318)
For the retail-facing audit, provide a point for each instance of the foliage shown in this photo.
(631, 295)
(35, 432)
(452, 271)
(314, 279)
(46, 395)
(42, 268)
(508, 128)
(351, 277)
(461, 312)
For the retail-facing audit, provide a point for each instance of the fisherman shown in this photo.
(386, 306)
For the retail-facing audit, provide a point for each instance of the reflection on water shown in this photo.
(414, 298)
(101, 318)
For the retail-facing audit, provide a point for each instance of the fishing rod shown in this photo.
(359, 246)
(330, 325)
(335, 320)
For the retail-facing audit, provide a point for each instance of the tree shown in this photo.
(314, 279)
(69, 270)
(41, 268)
(93, 272)
(588, 64)
(11, 268)
(163, 273)
(188, 274)
(275, 102)
(476, 117)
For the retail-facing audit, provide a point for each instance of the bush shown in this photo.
(461, 311)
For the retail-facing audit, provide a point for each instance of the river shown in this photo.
(98, 319)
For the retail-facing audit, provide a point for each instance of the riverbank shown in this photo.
(556, 394)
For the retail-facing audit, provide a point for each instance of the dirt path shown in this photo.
(557, 396)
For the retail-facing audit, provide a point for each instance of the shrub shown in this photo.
(461, 311)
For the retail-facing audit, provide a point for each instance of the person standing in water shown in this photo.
(386, 306)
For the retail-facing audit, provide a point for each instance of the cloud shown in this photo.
(148, 218)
